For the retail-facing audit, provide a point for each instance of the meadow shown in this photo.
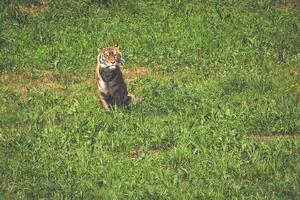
(219, 110)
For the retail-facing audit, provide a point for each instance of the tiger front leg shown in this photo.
(117, 102)
(104, 103)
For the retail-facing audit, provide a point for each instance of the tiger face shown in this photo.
(109, 58)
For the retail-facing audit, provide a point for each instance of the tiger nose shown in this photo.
(113, 62)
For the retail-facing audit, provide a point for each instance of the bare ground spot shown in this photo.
(272, 137)
(70, 78)
(132, 73)
(142, 151)
(23, 81)
(28, 8)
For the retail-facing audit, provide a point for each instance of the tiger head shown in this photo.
(109, 58)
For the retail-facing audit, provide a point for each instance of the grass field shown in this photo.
(219, 115)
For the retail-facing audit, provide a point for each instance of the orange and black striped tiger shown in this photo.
(111, 87)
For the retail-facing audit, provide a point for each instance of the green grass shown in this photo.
(214, 77)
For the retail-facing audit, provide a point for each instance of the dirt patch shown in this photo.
(133, 73)
(24, 81)
(142, 151)
(272, 137)
(28, 8)
(70, 78)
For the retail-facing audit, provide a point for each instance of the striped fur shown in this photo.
(111, 87)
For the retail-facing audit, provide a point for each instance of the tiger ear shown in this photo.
(100, 49)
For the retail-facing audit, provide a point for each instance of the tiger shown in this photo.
(111, 87)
